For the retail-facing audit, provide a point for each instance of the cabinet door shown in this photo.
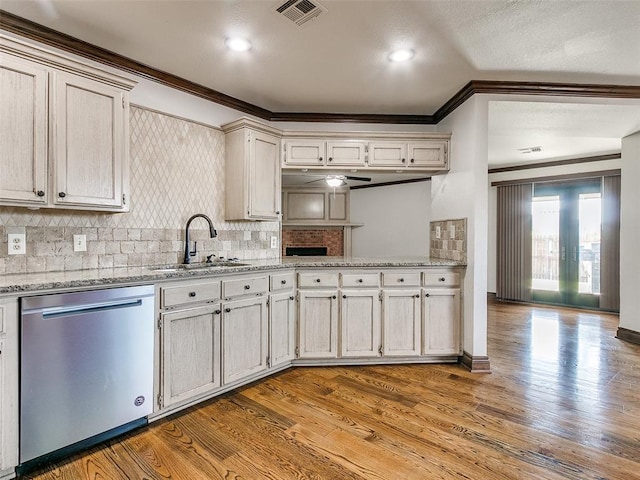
(427, 154)
(190, 353)
(8, 383)
(23, 133)
(305, 152)
(282, 324)
(264, 176)
(318, 324)
(401, 322)
(88, 143)
(360, 320)
(388, 154)
(442, 321)
(244, 338)
(346, 153)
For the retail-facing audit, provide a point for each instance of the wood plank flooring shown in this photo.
(563, 402)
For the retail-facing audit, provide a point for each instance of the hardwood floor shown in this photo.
(563, 402)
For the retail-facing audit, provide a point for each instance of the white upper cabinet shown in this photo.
(365, 151)
(64, 132)
(88, 142)
(23, 132)
(252, 171)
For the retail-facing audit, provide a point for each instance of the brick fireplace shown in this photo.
(332, 238)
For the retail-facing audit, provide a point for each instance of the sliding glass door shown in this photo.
(566, 226)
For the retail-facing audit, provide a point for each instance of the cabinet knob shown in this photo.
(227, 310)
(291, 298)
(343, 296)
(318, 280)
(330, 159)
(40, 193)
(427, 295)
(320, 159)
(404, 160)
(441, 279)
(217, 312)
(412, 160)
(283, 282)
(192, 294)
(418, 295)
(401, 280)
(62, 194)
(334, 297)
(247, 287)
(360, 280)
(278, 212)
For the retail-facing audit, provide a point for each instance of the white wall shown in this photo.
(521, 174)
(463, 193)
(630, 233)
(396, 220)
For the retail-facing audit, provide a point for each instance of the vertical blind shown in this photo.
(513, 280)
(610, 244)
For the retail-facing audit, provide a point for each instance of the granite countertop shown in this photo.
(32, 282)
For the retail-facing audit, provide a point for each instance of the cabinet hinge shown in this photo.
(297, 297)
(380, 349)
(123, 102)
(124, 199)
(159, 323)
(160, 400)
(268, 362)
(380, 296)
(297, 352)
(267, 306)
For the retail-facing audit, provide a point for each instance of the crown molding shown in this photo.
(34, 31)
(556, 163)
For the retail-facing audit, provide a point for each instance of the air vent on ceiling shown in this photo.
(530, 150)
(300, 11)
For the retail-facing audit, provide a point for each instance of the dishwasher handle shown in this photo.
(55, 312)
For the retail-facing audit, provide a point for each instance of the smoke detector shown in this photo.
(530, 149)
(300, 11)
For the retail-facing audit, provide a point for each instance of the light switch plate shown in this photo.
(17, 243)
(274, 242)
(437, 231)
(79, 243)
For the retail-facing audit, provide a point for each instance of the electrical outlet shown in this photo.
(452, 231)
(274, 242)
(17, 243)
(79, 243)
(437, 231)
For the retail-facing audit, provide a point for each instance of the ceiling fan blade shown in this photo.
(360, 179)
(313, 181)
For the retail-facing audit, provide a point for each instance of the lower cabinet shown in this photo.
(282, 328)
(8, 385)
(442, 321)
(360, 323)
(244, 338)
(318, 324)
(191, 353)
(401, 323)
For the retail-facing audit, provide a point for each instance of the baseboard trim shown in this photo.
(477, 364)
(627, 335)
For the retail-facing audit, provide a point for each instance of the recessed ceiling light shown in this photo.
(238, 44)
(401, 55)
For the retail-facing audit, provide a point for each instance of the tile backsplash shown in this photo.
(177, 169)
(448, 246)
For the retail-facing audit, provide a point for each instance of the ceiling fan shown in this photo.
(339, 180)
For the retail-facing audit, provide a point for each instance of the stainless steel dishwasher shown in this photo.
(86, 368)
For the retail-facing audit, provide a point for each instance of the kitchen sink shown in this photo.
(198, 266)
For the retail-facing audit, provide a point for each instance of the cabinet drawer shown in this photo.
(441, 279)
(401, 279)
(282, 281)
(319, 279)
(194, 292)
(244, 286)
(360, 280)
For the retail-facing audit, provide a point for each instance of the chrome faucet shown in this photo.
(212, 231)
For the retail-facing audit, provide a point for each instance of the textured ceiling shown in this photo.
(337, 63)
